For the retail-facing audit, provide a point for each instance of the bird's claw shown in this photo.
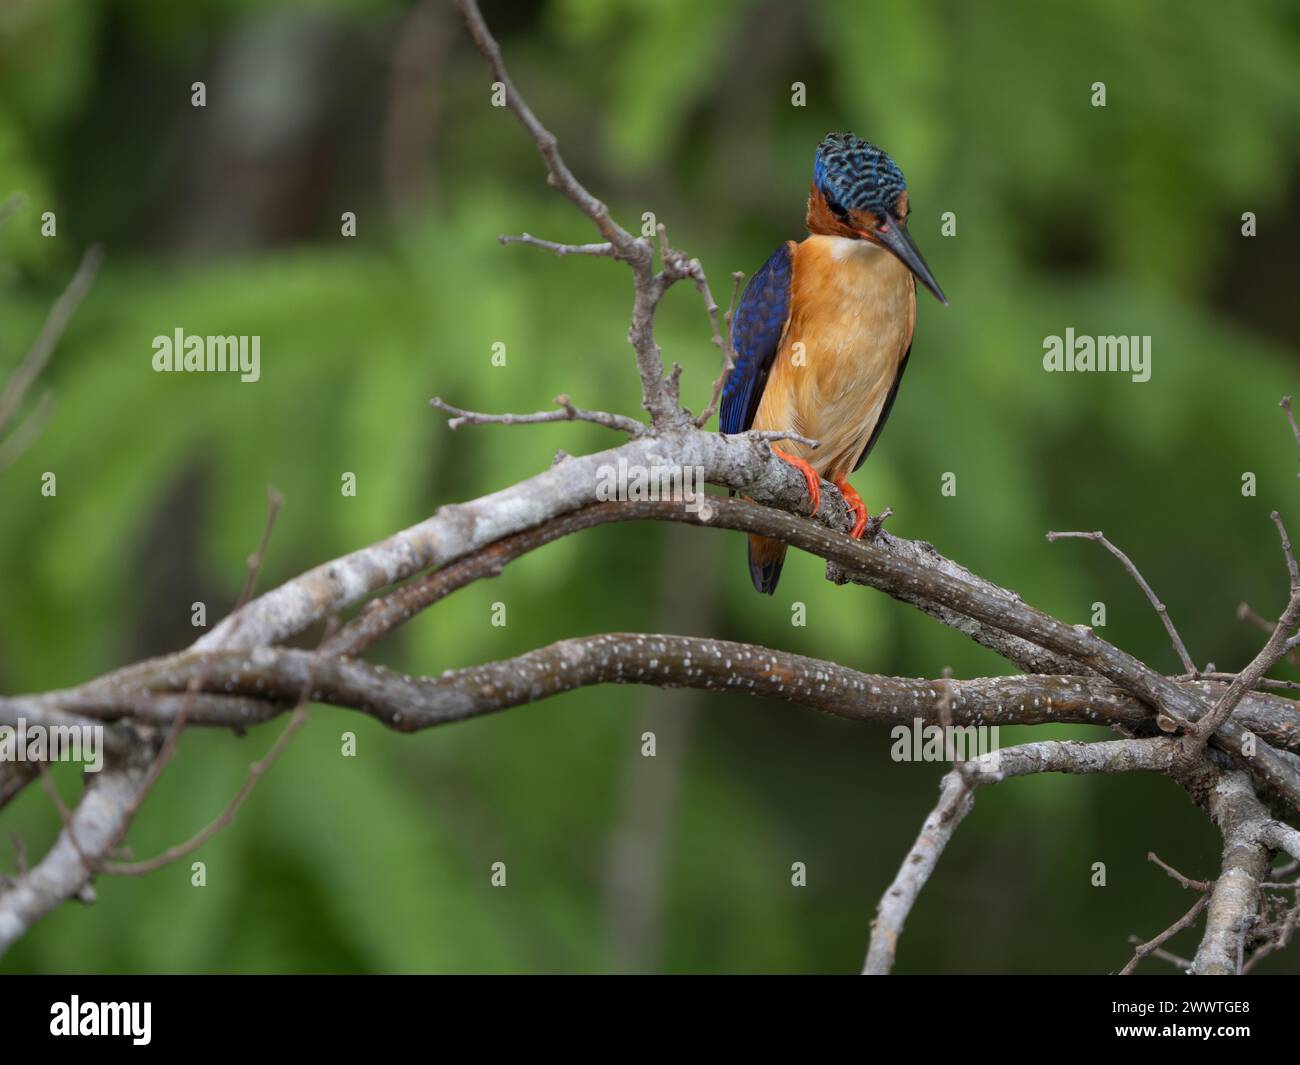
(810, 477)
(856, 505)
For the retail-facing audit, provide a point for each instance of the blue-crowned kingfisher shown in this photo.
(824, 329)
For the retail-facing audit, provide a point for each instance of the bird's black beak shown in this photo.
(894, 236)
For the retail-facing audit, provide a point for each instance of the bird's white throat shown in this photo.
(842, 248)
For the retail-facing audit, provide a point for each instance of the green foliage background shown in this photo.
(1122, 219)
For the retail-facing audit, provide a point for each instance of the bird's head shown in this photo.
(858, 192)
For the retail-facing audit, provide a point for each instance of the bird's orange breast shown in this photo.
(852, 312)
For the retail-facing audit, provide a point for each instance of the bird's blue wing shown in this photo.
(755, 335)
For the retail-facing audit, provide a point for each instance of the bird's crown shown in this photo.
(855, 175)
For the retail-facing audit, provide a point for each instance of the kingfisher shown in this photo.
(824, 329)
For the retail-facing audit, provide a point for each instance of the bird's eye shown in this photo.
(835, 208)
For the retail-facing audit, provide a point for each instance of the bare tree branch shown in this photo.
(880, 564)
(455, 531)
(657, 393)
(96, 824)
(956, 799)
(1280, 837)
(110, 802)
(234, 677)
(1234, 901)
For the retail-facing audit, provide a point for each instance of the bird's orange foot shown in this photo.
(810, 477)
(856, 505)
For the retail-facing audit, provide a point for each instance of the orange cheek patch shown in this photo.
(820, 218)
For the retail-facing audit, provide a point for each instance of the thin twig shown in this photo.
(1186, 881)
(21, 380)
(253, 566)
(1278, 644)
(1285, 870)
(1290, 417)
(26, 432)
(658, 394)
(1152, 945)
(1246, 613)
(728, 355)
(1279, 939)
(256, 772)
(1263, 684)
(1176, 960)
(567, 413)
(604, 248)
(559, 174)
(65, 815)
(1179, 647)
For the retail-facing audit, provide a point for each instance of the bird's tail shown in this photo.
(765, 560)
